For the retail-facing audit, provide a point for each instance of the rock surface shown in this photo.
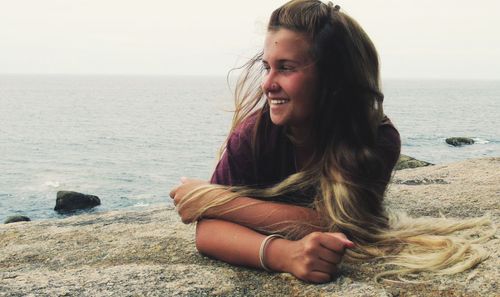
(406, 162)
(151, 253)
(459, 141)
(69, 201)
(15, 219)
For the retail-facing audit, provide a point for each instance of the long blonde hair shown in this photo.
(344, 175)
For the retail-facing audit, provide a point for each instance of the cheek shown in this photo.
(308, 97)
(308, 108)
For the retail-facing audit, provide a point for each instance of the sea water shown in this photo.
(128, 139)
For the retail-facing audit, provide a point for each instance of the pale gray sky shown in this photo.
(415, 39)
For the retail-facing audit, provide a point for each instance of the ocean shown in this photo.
(128, 139)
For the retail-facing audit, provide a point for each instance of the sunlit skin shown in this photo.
(290, 80)
(230, 236)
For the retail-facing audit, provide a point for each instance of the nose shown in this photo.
(269, 84)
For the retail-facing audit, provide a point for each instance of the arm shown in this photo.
(313, 258)
(271, 216)
(253, 213)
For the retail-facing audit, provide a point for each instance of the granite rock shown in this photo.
(459, 141)
(70, 201)
(405, 162)
(15, 219)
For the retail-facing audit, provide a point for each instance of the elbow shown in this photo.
(202, 237)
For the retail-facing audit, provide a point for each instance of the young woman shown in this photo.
(300, 183)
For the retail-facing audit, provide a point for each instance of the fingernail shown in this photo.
(183, 179)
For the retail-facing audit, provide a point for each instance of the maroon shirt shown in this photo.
(277, 161)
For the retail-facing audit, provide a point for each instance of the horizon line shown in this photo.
(226, 75)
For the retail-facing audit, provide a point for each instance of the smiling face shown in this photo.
(290, 81)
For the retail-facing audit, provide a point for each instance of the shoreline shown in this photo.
(150, 252)
(405, 162)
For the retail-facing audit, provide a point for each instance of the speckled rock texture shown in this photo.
(406, 162)
(15, 219)
(459, 141)
(151, 253)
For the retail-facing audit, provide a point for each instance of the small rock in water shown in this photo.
(459, 141)
(69, 200)
(14, 219)
(405, 162)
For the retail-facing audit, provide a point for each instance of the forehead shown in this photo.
(285, 44)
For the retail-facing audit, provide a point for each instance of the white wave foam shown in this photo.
(140, 204)
(480, 141)
(53, 184)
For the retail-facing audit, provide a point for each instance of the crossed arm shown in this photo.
(232, 236)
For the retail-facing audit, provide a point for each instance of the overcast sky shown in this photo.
(415, 39)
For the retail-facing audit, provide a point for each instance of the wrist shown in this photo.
(276, 257)
(215, 211)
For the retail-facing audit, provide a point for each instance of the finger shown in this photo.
(184, 179)
(324, 266)
(318, 277)
(348, 243)
(334, 242)
(329, 256)
(173, 191)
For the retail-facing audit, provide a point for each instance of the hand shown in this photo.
(315, 258)
(179, 192)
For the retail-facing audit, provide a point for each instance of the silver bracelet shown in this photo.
(262, 250)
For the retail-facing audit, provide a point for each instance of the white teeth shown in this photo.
(279, 101)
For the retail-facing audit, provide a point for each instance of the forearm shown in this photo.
(238, 245)
(314, 258)
(265, 215)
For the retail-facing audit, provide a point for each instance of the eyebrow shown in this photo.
(283, 61)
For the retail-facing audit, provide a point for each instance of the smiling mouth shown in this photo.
(279, 101)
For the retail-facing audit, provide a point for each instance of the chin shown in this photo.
(278, 120)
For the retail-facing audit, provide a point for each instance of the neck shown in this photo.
(303, 144)
(302, 135)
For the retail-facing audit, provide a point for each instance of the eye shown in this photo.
(286, 68)
(265, 67)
